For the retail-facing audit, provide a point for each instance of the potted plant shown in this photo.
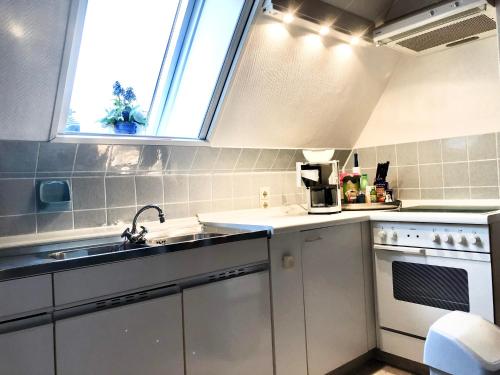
(124, 116)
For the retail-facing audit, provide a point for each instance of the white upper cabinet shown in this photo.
(31, 46)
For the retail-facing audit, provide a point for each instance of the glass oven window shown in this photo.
(442, 287)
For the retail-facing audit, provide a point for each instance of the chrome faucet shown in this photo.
(131, 235)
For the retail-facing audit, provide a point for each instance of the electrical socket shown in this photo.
(264, 194)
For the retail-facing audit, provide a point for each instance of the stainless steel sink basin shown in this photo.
(183, 238)
(83, 252)
(100, 250)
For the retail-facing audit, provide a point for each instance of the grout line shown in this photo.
(418, 171)
(105, 201)
(34, 188)
(256, 160)
(74, 159)
(442, 166)
(237, 160)
(468, 165)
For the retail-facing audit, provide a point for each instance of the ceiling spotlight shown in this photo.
(354, 40)
(288, 18)
(324, 30)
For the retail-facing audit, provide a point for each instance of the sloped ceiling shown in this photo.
(374, 10)
(380, 11)
(294, 89)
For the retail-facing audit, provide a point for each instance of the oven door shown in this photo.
(415, 287)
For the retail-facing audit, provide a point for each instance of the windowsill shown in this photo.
(127, 140)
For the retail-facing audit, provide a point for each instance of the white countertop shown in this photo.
(293, 218)
(282, 219)
(277, 219)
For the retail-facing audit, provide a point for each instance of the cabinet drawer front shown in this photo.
(27, 352)
(140, 338)
(112, 278)
(23, 296)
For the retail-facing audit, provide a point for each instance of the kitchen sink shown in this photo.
(83, 252)
(183, 238)
(91, 251)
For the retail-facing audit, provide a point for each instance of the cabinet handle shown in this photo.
(288, 261)
(319, 238)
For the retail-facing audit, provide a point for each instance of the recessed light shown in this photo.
(354, 40)
(288, 18)
(324, 30)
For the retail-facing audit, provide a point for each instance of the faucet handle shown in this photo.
(127, 234)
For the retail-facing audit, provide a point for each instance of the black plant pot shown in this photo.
(125, 127)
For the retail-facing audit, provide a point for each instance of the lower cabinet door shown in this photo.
(28, 351)
(140, 338)
(228, 327)
(334, 297)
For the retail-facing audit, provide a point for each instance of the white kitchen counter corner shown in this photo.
(295, 218)
(282, 219)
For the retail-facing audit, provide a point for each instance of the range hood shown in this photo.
(439, 27)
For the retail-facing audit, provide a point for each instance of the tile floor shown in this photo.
(388, 370)
(379, 368)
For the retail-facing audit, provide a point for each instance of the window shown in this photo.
(150, 68)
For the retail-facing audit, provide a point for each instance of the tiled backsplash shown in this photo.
(451, 168)
(109, 183)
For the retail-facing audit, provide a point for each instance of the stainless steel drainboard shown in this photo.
(100, 250)
(183, 238)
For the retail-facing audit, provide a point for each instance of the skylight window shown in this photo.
(149, 68)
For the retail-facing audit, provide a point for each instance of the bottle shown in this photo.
(350, 188)
(380, 186)
(356, 170)
(373, 194)
(363, 182)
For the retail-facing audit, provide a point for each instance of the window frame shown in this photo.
(74, 31)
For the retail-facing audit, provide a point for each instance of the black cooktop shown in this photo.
(452, 209)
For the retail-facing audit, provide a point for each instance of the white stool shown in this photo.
(463, 344)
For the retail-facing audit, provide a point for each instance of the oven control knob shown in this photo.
(449, 239)
(382, 235)
(462, 240)
(394, 236)
(436, 238)
(475, 240)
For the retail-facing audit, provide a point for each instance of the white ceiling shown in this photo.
(373, 10)
(381, 10)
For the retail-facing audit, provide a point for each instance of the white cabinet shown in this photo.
(322, 298)
(288, 304)
(334, 297)
(140, 338)
(227, 327)
(28, 351)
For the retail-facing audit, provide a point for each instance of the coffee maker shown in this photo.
(323, 188)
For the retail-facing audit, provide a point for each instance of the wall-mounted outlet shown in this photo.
(264, 196)
(265, 192)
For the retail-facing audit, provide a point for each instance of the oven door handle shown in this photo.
(401, 249)
(462, 255)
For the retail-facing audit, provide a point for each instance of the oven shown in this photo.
(424, 271)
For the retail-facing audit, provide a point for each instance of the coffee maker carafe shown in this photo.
(323, 188)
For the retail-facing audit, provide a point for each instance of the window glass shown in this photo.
(189, 100)
(152, 68)
(124, 41)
